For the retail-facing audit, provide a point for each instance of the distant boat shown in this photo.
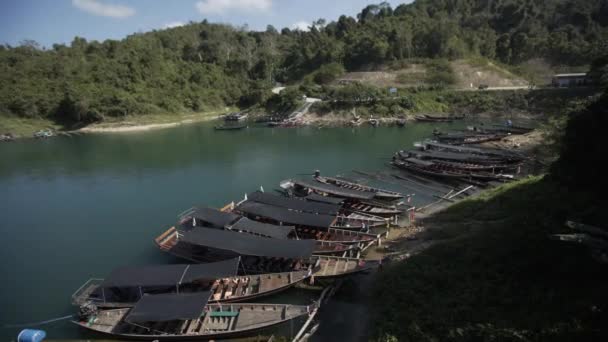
(44, 133)
(7, 137)
(230, 127)
(236, 117)
(373, 122)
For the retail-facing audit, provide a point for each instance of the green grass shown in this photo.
(25, 127)
(496, 275)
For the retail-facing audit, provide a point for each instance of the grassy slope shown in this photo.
(497, 276)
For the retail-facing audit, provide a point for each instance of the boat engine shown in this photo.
(86, 311)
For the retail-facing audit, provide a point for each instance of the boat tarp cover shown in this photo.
(446, 156)
(336, 190)
(265, 229)
(169, 275)
(168, 307)
(285, 215)
(294, 204)
(247, 244)
(215, 217)
(313, 197)
(419, 162)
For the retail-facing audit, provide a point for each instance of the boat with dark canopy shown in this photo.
(281, 215)
(461, 164)
(495, 153)
(258, 254)
(126, 285)
(354, 200)
(197, 217)
(345, 219)
(455, 157)
(177, 317)
(441, 170)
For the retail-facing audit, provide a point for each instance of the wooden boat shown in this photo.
(345, 217)
(285, 216)
(230, 127)
(437, 117)
(380, 194)
(124, 286)
(355, 201)
(258, 254)
(454, 157)
(490, 152)
(469, 138)
(422, 118)
(442, 170)
(207, 217)
(178, 317)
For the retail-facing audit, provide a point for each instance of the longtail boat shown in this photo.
(285, 216)
(226, 219)
(380, 194)
(466, 139)
(441, 170)
(258, 254)
(229, 127)
(423, 118)
(357, 201)
(462, 165)
(126, 285)
(177, 317)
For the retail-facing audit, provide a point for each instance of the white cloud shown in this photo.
(221, 6)
(301, 26)
(174, 24)
(107, 10)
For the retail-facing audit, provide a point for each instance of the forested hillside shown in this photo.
(202, 65)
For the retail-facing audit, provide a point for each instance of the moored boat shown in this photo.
(230, 127)
(225, 219)
(380, 194)
(444, 170)
(359, 201)
(126, 285)
(177, 317)
(258, 254)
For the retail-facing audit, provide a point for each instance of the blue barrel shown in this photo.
(31, 335)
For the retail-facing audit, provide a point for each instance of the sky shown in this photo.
(59, 21)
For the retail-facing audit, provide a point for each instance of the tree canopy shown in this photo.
(204, 65)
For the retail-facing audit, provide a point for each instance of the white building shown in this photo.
(569, 80)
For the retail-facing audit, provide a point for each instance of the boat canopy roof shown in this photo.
(168, 307)
(247, 244)
(169, 275)
(294, 204)
(264, 229)
(335, 190)
(313, 197)
(285, 215)
(215, 217)
(419, 162)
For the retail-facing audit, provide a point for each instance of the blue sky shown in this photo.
(59, 21)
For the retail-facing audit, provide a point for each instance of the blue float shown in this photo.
(31, 335)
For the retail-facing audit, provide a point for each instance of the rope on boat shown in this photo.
(33, 324)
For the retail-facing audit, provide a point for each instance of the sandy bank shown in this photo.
(127, 126)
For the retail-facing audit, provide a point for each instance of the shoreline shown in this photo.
(129, 127)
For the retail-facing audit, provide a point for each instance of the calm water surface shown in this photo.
(73, 208)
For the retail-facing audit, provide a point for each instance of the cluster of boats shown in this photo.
(474, 165)
(266, 243)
